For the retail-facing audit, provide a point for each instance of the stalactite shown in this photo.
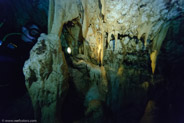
(116, 38)
(86, 18)
(158, 40)
(103, 9)
(102, 54)
(135, 21)
(145, 30)
(98, 38)
(64, 11)
(58, 17)
(50, 15)
(85, 23)
(157, 43)
(101, 40)
(109, 38)
(153, 57)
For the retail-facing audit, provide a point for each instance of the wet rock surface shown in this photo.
(123, 42)
(125, 65)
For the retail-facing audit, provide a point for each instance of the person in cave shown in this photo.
(14, 50)
(21, 43)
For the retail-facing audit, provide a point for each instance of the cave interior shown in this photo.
(94, 61)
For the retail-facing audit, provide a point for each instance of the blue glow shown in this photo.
(1, 42)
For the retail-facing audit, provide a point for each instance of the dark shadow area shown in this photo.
(169, 92)
(15, 102)
(14, 15)
(73, 108)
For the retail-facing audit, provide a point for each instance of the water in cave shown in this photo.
(92, 61)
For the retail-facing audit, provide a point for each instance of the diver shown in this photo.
(14, 50)
(20, 44)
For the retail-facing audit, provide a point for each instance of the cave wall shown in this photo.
(46, 70)
(115, 46)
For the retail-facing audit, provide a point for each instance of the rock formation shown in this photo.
(115, 45)
(46, 71)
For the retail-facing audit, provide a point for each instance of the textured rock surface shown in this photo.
(115, 45)
(125, 36)
(46, 78)
(46, 71)
(144, 21)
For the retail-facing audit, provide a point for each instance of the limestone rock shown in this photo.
(120, 41)
(145, 21)
(93, 87)
(46, 75)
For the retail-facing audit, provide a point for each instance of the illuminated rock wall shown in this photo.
(113, 66)
(144, 21)
(46, 78)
